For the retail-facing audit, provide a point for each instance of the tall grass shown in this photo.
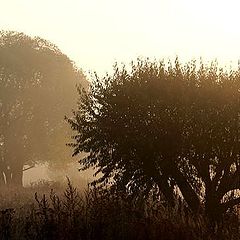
(46, 212)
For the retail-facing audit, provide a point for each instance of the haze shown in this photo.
(97, 33)
(144, 149)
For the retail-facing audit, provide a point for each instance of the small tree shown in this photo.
(163, 125)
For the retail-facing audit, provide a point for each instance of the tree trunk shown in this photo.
(189, 195)
(17, 175)
(8, 176)
(166, 190)
(2, 181)
(213, 209)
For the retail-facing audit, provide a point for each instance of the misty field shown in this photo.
(161, 140)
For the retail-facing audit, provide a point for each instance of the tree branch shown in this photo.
(228, 183)
(25, 169)
(230, 203)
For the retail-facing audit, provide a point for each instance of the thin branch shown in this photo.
(28, 168)
(230, 203)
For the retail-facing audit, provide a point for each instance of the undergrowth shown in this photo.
(101, 214)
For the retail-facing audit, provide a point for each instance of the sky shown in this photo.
(97, 33)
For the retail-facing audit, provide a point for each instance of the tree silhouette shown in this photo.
(36, 89)
(164, 126)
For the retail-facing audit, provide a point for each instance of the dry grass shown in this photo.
(99, 214)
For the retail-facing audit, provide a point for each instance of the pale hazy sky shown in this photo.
(95, 33)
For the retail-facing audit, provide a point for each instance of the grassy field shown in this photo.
(49, 211)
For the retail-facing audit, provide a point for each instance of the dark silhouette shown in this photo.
(36, 90)
(169, 127)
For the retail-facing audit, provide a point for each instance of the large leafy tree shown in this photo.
(164, 126)
(37, 84)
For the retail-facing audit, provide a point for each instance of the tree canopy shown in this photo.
(37, 83)
(167, 126)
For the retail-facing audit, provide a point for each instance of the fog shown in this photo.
(36, 174)
(41, 173)
(155, 134)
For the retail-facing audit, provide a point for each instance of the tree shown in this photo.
(36, 90)
(213, 142)
(168, 126)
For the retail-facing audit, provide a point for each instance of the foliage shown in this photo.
(170, 127)
(36, 89)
